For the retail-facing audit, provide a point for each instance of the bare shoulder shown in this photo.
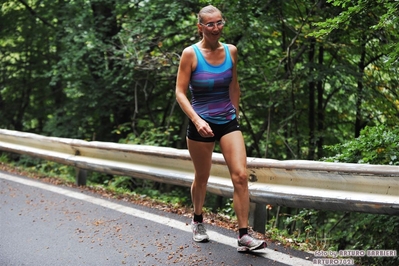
(188, 59)
(233, 52)
(188, 52)
(232, 48)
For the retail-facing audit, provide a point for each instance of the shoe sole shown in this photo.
(245, 249)
(201, 240)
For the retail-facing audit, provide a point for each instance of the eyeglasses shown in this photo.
(211, 25)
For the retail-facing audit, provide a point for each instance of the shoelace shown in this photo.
(247, 240)
(201, 228)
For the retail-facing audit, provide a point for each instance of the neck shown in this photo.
(210, 46)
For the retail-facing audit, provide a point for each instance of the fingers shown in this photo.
(205, 130)
(208, 133)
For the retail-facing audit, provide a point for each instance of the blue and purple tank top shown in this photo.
(209, 87)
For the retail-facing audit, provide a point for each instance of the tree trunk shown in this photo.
(320, 109)
(358, 123)
(312, 88)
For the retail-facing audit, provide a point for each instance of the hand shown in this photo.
(204, 129)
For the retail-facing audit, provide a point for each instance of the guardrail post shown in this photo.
(81, 177)
(257, 217)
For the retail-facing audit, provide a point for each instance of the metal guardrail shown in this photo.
(293, 183)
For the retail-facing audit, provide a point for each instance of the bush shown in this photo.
(375, 145)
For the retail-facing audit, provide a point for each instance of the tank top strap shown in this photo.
(203, 65)
(228, 56)
(200, 58)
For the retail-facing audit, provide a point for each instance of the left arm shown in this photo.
(234, 89)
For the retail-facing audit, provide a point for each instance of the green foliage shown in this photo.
(375, 145)
(178, 196)
(308, 229)
(227, 209)
(373, 232)
(87, 69)
(155, 136)
(141, 187)
(96, 178)
(380, 16)
(120, 184)
(4, 158)
(40, 167)
(335, 231)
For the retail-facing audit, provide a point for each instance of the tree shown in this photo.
(368, 26)
(312, 73)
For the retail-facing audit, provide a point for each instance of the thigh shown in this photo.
(193, 134)
(222, 129)
(233, 149)
(201, 155)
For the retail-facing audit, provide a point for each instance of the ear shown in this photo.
(199, 27)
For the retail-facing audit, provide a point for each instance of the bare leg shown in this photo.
(233, 149)
(201, 155)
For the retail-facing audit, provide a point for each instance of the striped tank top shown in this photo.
(209, 87)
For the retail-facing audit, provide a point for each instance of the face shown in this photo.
(211, 25)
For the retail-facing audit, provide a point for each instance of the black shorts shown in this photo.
(219, 130)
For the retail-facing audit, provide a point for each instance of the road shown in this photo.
(44, 224)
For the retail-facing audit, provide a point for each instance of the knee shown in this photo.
(200, 181)
(240, 179)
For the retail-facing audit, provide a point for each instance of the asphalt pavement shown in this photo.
(44, 224)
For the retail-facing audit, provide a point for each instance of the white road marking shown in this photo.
(214, 236)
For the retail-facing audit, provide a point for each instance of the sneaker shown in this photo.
(247, 242)
(199, 232)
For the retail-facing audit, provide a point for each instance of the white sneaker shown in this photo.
(199, 232)
(247, 242)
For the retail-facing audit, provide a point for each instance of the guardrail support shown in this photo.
(81, 177)
(257, 217)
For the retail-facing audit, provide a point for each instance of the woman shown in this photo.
(209, 69)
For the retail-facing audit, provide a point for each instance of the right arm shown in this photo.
(186, 66)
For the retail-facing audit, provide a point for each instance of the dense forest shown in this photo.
(315, 75)
(312, 73)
